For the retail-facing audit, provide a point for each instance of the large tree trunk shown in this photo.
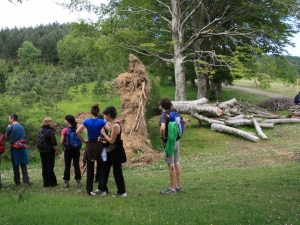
(217, 87)
(201, 77)
(177, 37)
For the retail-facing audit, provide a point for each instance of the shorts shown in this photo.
(170, 159)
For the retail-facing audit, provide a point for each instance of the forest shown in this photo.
(205, 42)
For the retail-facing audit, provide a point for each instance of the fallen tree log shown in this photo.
(281, 121)
(258, 129)
(230, 103)
(266, 125)
(205, 119)
(200, 106)
(238, 122)
(223, 128)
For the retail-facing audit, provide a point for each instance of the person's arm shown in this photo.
(62, 139)
(114, 132)
(185, 123)
(162, 130)
(53, 141)
(78, 132)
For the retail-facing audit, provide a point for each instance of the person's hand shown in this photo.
(56, 152)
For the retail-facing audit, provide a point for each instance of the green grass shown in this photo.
(226, 180)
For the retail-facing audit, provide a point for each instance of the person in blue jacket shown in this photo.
(19, 157)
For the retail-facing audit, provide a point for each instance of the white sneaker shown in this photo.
(122, 195)
(98, 192)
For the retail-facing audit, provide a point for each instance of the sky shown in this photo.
(37, 12)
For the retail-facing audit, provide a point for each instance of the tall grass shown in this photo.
(226, 180)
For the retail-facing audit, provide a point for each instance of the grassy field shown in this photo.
(276, 87)
(226, 180)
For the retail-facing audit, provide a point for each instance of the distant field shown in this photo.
(277, 87)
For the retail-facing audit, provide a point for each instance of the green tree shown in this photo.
(165, 29)
(28, 53)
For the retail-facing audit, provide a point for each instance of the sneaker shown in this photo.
(168, 191)
(66, 185)
(79, 184)
(98, 192)
(121, 195)
(178, 189)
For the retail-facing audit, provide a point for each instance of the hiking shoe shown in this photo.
(168, 191)
(66, 185)
(121, 195)
(79, 184)
(28, 183)
(98, 192)
(178, 189)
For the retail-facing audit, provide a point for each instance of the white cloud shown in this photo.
(37, 12)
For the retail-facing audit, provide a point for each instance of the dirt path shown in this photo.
(271, 95)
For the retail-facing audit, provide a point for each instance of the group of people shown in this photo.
(103, 146)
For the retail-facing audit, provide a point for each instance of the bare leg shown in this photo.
(172, 175)
(178, 174)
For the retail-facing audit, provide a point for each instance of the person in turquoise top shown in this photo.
(14, 132)
(172, 147)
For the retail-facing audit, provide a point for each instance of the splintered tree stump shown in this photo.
(134, 90)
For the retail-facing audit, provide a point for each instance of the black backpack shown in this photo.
(41, 140)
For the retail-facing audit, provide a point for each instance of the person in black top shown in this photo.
(115, 157)
(48, 154)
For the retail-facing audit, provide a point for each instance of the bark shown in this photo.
(223, 128)
(199, 21)
(259, 130)
(178, 42)
(217, 87)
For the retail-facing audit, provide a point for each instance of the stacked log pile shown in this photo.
(222, 116)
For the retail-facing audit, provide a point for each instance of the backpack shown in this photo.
(297, 99)
(2, 143)
(72, 140)
(174, 117)
(41, 140)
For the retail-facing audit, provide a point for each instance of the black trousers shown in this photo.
(112, 161)
(48, 161)
(70, 155)
(90, 174)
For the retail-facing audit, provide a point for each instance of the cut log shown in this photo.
(223, 128)
(230, 103)
(238, 122)
(205, 119)
(266, 125)
(281, 121)
(258, 129)
(199, 106)
(237, 117)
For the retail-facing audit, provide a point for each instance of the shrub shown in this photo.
(211, 95)
(277, 104)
